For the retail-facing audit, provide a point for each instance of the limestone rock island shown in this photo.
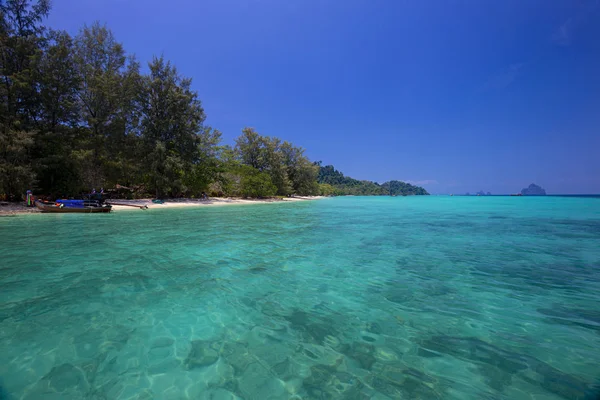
(533, 190)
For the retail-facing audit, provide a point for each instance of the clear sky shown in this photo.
(454, 95)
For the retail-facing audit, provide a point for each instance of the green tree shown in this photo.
(207, 165)
(166, 171)
(58, 82)
(107, 99)
(275, 166)
(21, 39)
(326, 189)
(54, 165)
(251, 148)
(228, 177)
(305, 179)
(290, 171)
(302, 173)
(265, 155)
(172, 131)
(16, 174)
(256, 184)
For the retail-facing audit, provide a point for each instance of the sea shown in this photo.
(425, 297)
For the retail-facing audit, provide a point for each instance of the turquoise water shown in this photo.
(346, 298)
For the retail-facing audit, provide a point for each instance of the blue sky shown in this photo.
(455, 95)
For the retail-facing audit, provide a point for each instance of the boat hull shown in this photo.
(53, 208)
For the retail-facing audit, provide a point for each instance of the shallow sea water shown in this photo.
(345, 298)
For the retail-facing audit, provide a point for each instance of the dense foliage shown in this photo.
(334, 182)
(76, 113)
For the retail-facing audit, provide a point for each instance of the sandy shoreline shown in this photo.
(19, 208)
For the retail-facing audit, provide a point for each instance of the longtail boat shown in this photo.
(62, 208)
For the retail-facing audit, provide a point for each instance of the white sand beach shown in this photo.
(128, 205)
(119, 205)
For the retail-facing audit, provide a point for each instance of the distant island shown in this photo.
(333, 182)
(533, 190)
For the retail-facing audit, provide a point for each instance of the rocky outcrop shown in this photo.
(533, 190)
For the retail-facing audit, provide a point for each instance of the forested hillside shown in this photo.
(334, 182)
(77, 113)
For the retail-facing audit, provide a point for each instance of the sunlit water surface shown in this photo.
(346, 298)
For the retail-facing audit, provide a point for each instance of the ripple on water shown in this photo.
(349, 298)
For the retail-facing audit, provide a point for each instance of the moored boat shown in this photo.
(62, 208)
